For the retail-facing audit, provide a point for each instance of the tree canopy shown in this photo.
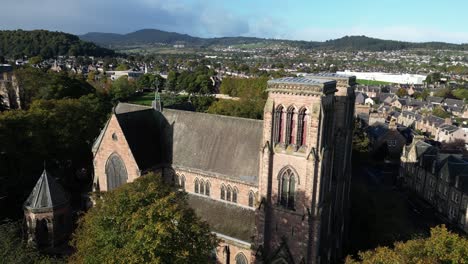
(145, 221)
(122, 89)
(252, 98)
(47, 44)
(58, 131)
(441, 247)
(38, 84)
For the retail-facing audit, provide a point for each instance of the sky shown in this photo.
(313, 20)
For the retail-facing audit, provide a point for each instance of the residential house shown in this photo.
(440, 179)
(408, 118)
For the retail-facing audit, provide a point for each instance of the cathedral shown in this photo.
(274, 190)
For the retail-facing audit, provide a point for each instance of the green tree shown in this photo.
(122, 67)
(433, 77)
(122, 89)
(171, 83)
(35, 60)
(38, 84)
(441, 247)
(145, 221)
(440, 112)
(461, 93)
(445, 93)
(60, 131)
(402, 92)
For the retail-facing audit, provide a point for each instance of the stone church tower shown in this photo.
(296, 180)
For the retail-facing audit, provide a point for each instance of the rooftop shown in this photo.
(46, 195)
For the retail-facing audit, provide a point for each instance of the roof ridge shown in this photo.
(209, 114)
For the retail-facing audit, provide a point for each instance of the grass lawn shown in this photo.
(371, 82)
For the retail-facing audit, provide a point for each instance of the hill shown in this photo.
(351, 43)
(48, 44)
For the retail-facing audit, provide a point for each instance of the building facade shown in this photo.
(273, 191)
(441, 179)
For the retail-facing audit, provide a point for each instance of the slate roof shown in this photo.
(421, 148)
(218, 145)
(145, 132)
(453, 102)
(435, 120)
(221, 145)
(448, 128)
(434, 99)
(360, 97)
(383, 96)
(46, 195)
(377, 130)
(224, 218)
(411, 115)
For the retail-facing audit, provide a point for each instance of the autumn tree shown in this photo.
(145, 221)
(441, 247)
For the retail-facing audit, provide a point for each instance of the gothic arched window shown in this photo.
(289, 139)
(301, 128)
(278, 121)
(196, 186)
(241, 259)
(287, 189)
(234, 195)
(202, 187)
(251, 199)
(228, 193)
(182, 182)
(223, 192)
(116, 172)
(207, 188)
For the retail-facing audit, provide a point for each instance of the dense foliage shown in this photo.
(197, 81)
(62, 117)
(13, 250)
(440, 112)
(47, 44)
(38, 84)
(122, 89)
(252, 97)
(441, 247)
(145, 221)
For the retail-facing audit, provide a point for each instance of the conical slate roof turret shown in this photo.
(46, 195)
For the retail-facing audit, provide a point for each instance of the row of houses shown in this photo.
(440, 129)
(454, 107)
(440, 179)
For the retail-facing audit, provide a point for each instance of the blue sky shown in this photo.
(411, 20)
